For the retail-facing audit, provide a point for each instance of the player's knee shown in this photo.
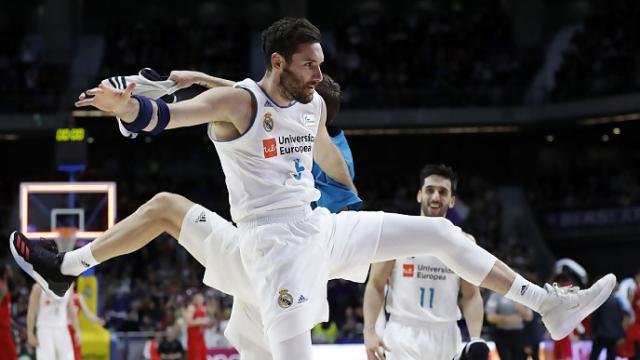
(441, 226)
(444, 229)
(159, 207)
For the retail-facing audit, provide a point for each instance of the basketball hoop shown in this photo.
(66, 239)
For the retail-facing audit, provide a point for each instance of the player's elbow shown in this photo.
(375, 286)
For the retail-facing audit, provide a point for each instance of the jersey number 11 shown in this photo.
(432, 292)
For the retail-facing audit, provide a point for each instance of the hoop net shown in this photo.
(66, 239)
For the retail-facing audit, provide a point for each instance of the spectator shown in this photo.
(508, 320)
(608, 327)
(170, 347)
(150, 351)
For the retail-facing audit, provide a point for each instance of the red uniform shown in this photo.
(628, 347)
(151, 350)
(562, 349)
(196, 348)
(6, 340)
(77, 354)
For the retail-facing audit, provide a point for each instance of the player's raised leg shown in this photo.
(55, 272)
(562, 309)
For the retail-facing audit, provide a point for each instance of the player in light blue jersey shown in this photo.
(334, 196)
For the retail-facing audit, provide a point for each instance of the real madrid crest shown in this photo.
(285, 299)
(267, 122)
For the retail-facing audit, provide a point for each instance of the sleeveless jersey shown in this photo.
(269, 166)
(423, 289)
(195, 332)
(52, 312)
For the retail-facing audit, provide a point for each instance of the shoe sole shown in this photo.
(595, 303)
(28, 268)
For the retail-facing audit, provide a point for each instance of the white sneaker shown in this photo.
(565, 307)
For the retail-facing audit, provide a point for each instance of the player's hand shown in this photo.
(100, 321)
(106, 98)
(374, 346)
(184, 78)
(77, 336)
(32, 340)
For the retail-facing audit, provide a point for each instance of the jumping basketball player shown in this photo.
(288, 249)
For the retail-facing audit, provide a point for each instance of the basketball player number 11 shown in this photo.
(432, 291)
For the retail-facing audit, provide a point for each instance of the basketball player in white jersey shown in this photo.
(422, 297)
(47, 319)
(267, 135)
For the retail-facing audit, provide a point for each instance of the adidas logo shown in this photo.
(301, 299)
(118, 82)
(202, 217)
(267, 104)
(523, 289)
(84, 263)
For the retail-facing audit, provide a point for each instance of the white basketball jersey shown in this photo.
(423, 289)
(52, 312)
(269, 166)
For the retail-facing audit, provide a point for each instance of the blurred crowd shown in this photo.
(457, 56)
(604, 56)
(185, 43)
(413, 59)
(28, 82)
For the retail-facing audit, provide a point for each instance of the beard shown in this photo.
(292, 87)
(429, 212)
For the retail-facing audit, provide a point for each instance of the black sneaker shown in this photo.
(474, 350)
(42, 262)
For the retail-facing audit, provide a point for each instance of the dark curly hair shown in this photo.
(442, 170)
(285, 35)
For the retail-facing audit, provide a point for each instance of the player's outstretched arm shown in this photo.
(187, 78)
(214, 105)
(88, 313)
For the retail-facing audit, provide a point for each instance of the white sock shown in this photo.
(526, 293)
(75, 262)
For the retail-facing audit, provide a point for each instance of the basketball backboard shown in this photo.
(88, 206)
